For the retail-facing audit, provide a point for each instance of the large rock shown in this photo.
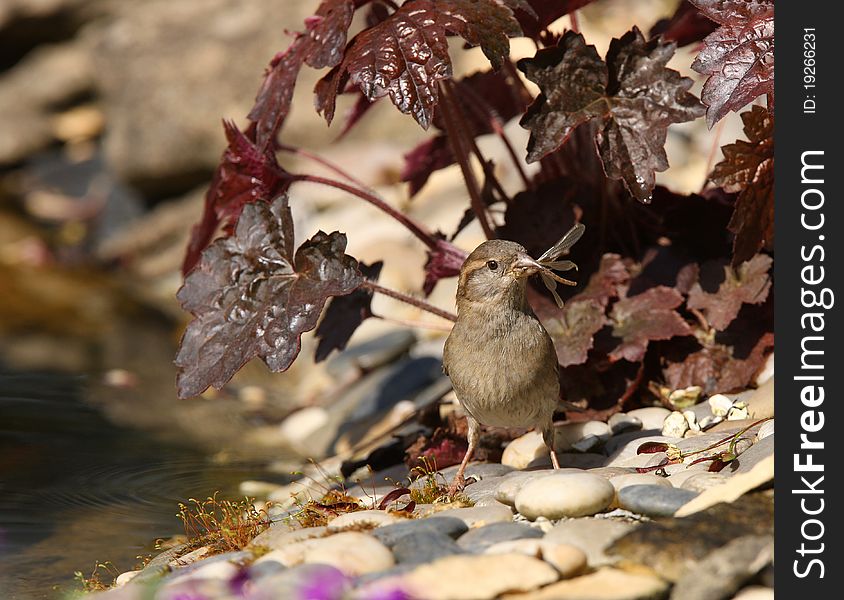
(48, 77)
(170, 71)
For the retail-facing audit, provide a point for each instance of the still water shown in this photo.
(75, 489)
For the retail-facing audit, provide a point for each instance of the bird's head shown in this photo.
(495, 275)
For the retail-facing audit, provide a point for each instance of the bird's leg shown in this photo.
(473, 438)
(548, 434)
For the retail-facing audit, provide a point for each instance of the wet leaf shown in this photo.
(748, 284)
(250, 296)
(634, 97)
(344, 314)
(738, 56)
(405, 55)
(748, 168)
(327, 31)
(246, 173)
(644, 318)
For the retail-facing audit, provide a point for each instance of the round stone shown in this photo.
(653, 500)
(622, 481)
(720, 405)
(474, 576)
(362, 519)
(523, 450)
(568, 560)
(477, 516)
(351, 552)
(478, 540)
(564, 495)
(604, 584)
(511, 484)
(651, 417)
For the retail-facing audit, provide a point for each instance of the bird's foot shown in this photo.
(457, 485)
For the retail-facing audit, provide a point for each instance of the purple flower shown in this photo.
(327, 584)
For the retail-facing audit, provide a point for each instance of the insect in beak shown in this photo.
(525, 266)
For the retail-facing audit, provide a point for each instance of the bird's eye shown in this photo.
(492, 264)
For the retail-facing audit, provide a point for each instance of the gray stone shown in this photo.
(622, 422)
(653, 500)
(479, 471)
(604, 584)
(477, 516)
(265, 569)
(478, 540)
(651, 416)
(389, 535)
(45, 78)
(424, 546)
(510, 485)
(371, 354)
(755, 454)
(591, 535)
(725, 570)
(482, 493)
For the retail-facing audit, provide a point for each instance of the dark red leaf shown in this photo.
(644, 318)
(344, 315)
(444, 260)
(250, 296)
(686, 26)
(405, 55)
(544, 12)
(272, 105)
(327, 31)
(429, 156)
(748, 168)
(572, 331)
(245, 174)
(652, 448)
(392, 496)
(717, 466)
(715, 369)
(738, 56)
(748, 284)
(634, 97)
(608, 282)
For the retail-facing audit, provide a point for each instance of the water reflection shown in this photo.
(75, 489)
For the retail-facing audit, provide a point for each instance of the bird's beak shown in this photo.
(525, 266)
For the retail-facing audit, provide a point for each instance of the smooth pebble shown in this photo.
(653, 500)
(564, 495)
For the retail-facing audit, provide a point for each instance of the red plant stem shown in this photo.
(325, 163)
(575, 26)
(415, 228)
(712, 152)
(415, 323)
(458, 146)
(407, 299)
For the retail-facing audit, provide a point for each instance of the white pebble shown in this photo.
(720, 405)
(675, 425)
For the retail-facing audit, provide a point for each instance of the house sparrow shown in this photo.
(501, 361)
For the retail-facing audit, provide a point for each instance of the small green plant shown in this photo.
(316, 513)
(434, 488)
(96, 580)
(222, 525)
